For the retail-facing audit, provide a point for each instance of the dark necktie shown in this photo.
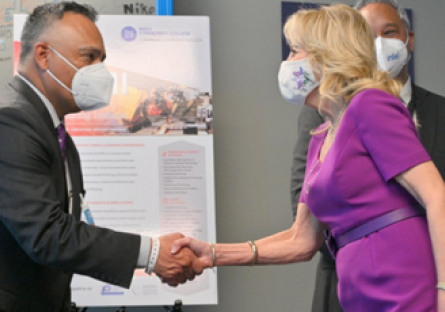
(412, 106)
(61, 135)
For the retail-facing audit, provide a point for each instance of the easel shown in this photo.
(177, 307)
(74, 308)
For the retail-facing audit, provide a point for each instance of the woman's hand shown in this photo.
(201, 249)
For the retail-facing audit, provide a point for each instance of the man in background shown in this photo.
(394, 46)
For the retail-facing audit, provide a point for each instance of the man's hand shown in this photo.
(178, 268)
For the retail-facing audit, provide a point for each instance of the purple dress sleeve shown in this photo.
(388, 133)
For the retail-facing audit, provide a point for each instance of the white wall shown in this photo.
(254, 138)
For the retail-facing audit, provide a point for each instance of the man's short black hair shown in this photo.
(44, 16)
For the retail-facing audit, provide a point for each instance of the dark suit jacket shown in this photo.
(430, 110)
(41, 244)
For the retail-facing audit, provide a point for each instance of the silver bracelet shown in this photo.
(155, 248)
(255, 253)
(441, 286)
(213, 255)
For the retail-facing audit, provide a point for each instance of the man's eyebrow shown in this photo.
(390, 24)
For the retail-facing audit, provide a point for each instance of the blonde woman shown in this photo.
(369, 181)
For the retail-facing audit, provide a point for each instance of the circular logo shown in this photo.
(129, 33)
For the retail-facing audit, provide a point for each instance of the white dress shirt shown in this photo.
(406, 94)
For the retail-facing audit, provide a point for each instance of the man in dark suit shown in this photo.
(388, 20)
(42, 241)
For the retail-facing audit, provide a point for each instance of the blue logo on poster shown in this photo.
(112, 290)
(129, 33)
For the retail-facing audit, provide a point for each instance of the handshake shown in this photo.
(181, 258)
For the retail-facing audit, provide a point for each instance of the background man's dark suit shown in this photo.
(430, 111)
(40, 242)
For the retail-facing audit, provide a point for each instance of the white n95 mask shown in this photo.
(392, 55)
(92, 85)
(296, 80)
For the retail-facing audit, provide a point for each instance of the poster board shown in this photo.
(147, 159)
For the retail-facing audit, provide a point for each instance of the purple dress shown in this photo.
(392, 269)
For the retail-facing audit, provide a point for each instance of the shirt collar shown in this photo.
(48, 105)
(406, 92)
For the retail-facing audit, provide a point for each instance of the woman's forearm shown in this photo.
(426, 184)
(436, 225)
(296, 244)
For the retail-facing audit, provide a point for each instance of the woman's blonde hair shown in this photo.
(340, 46)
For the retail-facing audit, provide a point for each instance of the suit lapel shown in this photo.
(426, 116)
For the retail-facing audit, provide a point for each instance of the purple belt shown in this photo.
(335, 243)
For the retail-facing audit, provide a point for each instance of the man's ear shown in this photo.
(41, 50)
(411, 41)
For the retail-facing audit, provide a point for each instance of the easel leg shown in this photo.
(74, 308)
(176, 308)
